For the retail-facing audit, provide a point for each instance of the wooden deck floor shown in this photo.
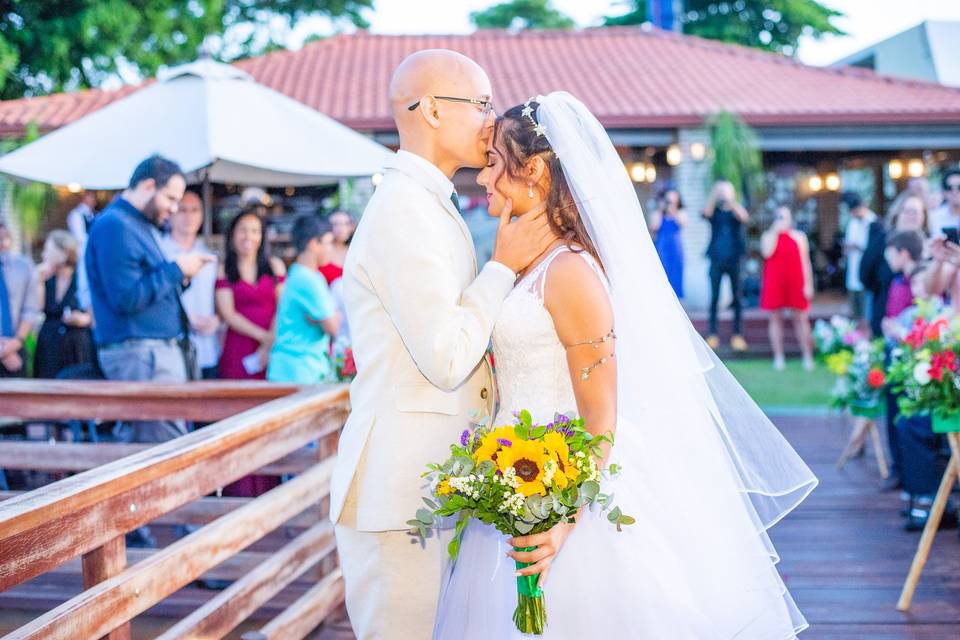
(845, 555)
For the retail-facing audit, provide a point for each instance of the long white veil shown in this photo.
(662, 361)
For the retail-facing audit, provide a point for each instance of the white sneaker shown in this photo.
(808, 364)
(778, 363)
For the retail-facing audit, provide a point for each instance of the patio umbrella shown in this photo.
(216, 122)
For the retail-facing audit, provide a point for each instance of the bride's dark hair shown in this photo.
(519, 143)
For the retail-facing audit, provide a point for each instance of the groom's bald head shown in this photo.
(456, 130)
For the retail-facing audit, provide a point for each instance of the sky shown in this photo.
(867, 21)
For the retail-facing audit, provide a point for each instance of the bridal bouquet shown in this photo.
(522, 479)
(860, 382)
(926, 368)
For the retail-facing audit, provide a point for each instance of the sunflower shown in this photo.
(491, 443)
(527, 459)
(558, 450)
(444, 488)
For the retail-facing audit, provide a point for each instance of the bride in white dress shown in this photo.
(593, 327)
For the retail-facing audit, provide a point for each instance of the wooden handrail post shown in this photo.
(102, 564)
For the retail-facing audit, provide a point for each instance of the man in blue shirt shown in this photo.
(135, 290)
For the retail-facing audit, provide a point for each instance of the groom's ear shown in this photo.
(429, 110)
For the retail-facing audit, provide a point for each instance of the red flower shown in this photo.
(349, 368)
(916, 336)
(933, 330)
(875, 378)
(940, 361)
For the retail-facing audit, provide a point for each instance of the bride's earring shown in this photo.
(530, 190)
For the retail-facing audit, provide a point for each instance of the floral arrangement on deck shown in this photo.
(522, 479)
(860, 378)
(835, 341)
(925, 368)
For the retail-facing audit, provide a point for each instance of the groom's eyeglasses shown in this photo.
(486, 106)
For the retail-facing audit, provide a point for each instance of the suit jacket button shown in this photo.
(484, 393)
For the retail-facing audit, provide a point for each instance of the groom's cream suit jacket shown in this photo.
(420, 322)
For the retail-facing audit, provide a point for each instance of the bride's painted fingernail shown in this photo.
(516, 574)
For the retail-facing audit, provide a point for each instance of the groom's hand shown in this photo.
(519, 243)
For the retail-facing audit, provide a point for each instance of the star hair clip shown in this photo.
(527, 112)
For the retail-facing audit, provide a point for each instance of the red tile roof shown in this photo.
(630, 77)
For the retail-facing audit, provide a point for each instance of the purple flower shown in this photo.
(465, 437)
(504, 442)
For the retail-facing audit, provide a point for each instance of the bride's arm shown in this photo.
(582, 313)
(583, 316)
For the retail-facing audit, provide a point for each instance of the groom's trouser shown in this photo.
(392, 579)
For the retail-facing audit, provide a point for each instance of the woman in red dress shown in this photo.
(343, 228)
(787, 284)
(246, 299)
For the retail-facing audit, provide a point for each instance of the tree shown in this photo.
(70, 44)
(774, 25)
(735, 153)
(522, 14)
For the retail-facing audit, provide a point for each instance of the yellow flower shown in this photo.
(444, 488)
(527, 459)
(557, 449)
(839, 362)
(489, 444)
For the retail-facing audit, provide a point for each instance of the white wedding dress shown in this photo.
(685, 571)
(705, 472)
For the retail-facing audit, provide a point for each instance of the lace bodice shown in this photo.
(531, 362)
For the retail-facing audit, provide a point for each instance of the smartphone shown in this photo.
(251, 364)
(952, 234)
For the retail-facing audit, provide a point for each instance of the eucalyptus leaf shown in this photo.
(430, 503)
(523, 528)
(590, 489)
(425, 516)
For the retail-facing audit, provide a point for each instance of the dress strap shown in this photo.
(538, 277)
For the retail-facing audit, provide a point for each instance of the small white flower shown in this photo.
(921, 373)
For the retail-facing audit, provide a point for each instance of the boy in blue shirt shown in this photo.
(306, 313)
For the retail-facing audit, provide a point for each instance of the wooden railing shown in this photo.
(122, 487)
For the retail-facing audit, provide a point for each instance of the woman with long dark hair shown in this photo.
(246, 298)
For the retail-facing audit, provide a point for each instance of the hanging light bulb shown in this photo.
(637, 172)
(895, 169)
(651, 173)
(815, 183)
(674, 155)
(832, 182)
(915, 168)
(698, 151)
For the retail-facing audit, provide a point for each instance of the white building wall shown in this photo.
(692, 179)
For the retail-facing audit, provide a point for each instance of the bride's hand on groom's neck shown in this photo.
(521, 241)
